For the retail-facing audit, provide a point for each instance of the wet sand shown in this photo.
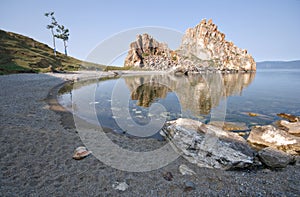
(38, 138)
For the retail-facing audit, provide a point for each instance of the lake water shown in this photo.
(139, 105)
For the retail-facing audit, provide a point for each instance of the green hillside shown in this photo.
(21, 54)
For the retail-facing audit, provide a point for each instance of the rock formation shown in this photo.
(203, 48)
(148, 53)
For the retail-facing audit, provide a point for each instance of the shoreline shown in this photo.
(38, 145)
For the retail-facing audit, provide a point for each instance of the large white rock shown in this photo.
(208, 146)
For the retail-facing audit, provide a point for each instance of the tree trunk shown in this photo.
(54, 47)
(65, 45)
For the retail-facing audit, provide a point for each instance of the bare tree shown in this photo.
(51, 26)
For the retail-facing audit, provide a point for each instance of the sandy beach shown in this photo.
(38, 138)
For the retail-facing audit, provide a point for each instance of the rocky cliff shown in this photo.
(148, 53)
(202, 48)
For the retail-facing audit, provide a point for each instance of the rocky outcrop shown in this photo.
(203, 48)
(148, 53)
(206, 42)
(208, 146)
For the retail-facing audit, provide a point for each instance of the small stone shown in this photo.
(274, 158)
(168, 176)
(297, 160)
(189, 185)
(266, 170)
(81, 152)
(289, 117)
(184, 170)
(243, 133)
(229, 126)
(120, 186)
(252, 114)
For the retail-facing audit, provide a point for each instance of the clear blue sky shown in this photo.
(269, 29)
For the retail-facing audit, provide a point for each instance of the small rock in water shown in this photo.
(289, 117)
(168, 176)
(120, 186)
(243, 133)
(189, 185)
(275, 158)
(81, 152)
(252, 114)
(229, 126)
(183, 169)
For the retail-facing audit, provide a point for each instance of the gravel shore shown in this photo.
(38, 141)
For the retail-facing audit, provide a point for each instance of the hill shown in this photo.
(21, 54)
(279, 64)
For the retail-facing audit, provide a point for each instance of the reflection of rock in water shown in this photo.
(148, 92)
(197, 93)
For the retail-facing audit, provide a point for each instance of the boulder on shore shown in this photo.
(274, 158)
(209, 146)
(269, 136)
(290, 127)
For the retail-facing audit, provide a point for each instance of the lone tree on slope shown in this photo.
(63, 33)
(52, 25)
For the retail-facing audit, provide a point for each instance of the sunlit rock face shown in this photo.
(206, 42)
(202, 48)
(206, 91)
(148, 53)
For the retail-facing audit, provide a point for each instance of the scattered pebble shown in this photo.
(189, 185)
(120, 186)
(168, 176)
(81, 152)
(184, 170)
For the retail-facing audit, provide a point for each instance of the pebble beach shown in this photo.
(38, 138)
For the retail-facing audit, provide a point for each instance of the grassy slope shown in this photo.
(19, 54)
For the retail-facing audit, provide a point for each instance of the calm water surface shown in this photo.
(133, 102)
